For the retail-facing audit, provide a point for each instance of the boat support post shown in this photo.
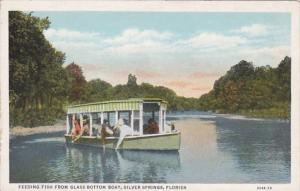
(91, 124)
(131, 122)
(102, 118)
(141, 119)
(68, 125)
(160, 118)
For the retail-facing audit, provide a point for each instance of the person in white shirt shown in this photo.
(124, 131)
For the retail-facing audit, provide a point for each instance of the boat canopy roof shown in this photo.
(115, 105)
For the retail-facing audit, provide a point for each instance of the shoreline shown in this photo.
(25, 131)
(249, 117)
(60, 125)
(237, 115)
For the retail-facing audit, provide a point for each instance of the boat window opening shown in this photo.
(96, 123)
(125, 115)
(105, 116)
(111, 118)
(150, 118)
(86, 124)
(96, 118)
(156, 116)
(77, 116)
(136, 120)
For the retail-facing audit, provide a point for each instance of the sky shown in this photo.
(184, 51)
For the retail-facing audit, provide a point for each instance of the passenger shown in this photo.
(152, 127)
(104, 131)
(83, 131)
(97, 127)
(77, 129)
(124, 131)
(86, 128)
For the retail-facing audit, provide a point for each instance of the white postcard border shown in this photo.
(292, 7)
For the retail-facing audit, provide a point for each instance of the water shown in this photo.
(214, 149)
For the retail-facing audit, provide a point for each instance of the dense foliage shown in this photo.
(40, 86)
(77, 83)
(255, 91)
(37, 83)
(99, 90)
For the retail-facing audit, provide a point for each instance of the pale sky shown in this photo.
(184, 51)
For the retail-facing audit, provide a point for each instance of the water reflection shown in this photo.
(203, 161)
(261, 148)
(97, 165)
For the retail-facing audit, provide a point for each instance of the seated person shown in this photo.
(97, 127)
(152, 127)
(76, 131)
(116, 131)
(84, 131)
(86, 128)
(105, 131)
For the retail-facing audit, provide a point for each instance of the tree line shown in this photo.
(255, 91)
(83, 91)
(40, 86)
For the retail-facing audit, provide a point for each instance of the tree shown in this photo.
(131, 80)
(242, 71)
(78, 89)
(98, 90)
(284, 79)
(37, 80)
(245, 88)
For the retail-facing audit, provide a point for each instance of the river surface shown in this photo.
(214, 149)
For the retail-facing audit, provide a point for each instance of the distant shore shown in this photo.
(60, 125)
(273, 114)
(249, 117)
(24, 131)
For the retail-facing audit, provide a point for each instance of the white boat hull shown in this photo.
(166, 141)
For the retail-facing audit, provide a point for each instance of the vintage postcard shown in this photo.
(150, 95)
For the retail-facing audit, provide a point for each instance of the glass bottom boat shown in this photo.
(145, 118)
